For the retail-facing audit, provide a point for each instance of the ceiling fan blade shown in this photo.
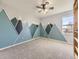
(51, 8)
(39, 7)
(46, 3)
(40, 11)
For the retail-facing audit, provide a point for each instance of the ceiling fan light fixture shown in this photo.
(44, 11)
(44, 7)
(47, 3)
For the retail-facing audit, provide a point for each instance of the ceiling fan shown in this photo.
(44, 5)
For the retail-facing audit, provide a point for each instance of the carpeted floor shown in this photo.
(39, 49)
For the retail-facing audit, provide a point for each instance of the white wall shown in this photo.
(14, 8)
(55, 19)
(31, 20)
(62, 6)
(25, 9)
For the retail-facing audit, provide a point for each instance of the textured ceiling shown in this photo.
(26, 8)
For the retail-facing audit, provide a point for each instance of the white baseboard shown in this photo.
(19, 43)
(29, 41)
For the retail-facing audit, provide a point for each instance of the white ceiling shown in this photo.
(26, 8)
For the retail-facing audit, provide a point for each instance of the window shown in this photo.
(67, 24)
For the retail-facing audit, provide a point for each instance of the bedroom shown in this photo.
(43, 29)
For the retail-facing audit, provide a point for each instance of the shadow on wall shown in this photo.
(10, 35)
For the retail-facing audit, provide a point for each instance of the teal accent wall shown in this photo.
(24, 35)
(37, 32)
(33, 28)
(14, 21)
(48, 28)
(19, 26)
(56, 34)
(42, 31)
(8, 33)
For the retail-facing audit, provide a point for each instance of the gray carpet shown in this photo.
(39, 49)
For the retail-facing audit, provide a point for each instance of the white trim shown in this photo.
(18, 43)
(29, 41)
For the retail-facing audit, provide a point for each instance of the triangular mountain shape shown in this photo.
(24, 35)
(14, 21)
(37, 32)
(56, 34)
(33, 28)
(48, 28)
(40, 32)
(8, 33)
(19, 26)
